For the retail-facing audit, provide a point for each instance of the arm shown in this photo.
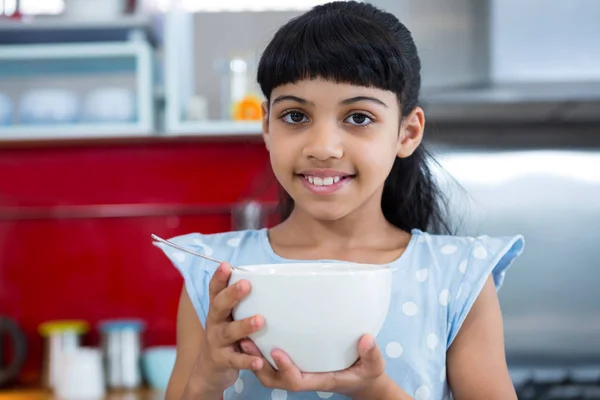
(189, 338)
(476, 360)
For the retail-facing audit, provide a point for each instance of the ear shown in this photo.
(411, 133)
(265, 123)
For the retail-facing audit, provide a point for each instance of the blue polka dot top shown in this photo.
(436, 281)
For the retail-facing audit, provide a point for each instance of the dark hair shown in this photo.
(356, 43)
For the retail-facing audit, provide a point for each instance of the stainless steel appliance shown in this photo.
(541, 180)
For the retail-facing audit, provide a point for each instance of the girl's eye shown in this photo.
(359, 119)
(294, 117)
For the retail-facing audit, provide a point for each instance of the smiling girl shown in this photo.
(343, 129)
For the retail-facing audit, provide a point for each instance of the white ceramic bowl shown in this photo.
(315, 312)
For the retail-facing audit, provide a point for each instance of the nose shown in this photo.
(324, 142)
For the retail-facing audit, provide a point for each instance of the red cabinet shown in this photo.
(76, 218)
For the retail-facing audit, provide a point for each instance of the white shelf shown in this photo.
(64, 29)
(72, 50)
(61, 24)
(215, 128)
(72, 131)
(105, 52)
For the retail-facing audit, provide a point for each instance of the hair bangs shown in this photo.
(335, 46)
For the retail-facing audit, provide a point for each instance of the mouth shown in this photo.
(325, 184)
(325, 180)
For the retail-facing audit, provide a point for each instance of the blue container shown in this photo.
(157, 364)
(121, 348)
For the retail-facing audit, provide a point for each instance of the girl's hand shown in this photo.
(359, 378)
(220, 361)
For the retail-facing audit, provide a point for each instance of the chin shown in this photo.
(325, 212)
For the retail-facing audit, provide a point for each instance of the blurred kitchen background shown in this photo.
(121, 118)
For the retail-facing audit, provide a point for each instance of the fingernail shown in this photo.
(371, 344)
(256, 365)
(253, 322)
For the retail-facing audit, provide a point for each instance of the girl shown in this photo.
(343, 128)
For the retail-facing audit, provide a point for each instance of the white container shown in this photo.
(315, 312)
(121, 348)
(81, 375)
(109, 104)
(49, 106)
(94, 9)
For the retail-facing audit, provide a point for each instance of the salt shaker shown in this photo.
(121, 348)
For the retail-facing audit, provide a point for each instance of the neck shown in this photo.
(365, 226)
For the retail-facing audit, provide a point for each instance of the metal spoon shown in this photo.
(178, 247)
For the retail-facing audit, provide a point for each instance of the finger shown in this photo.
(250, 348)
(267, 375)
(371, 358)
(219, 280)
(243, 361)
(238, 330)
(287, 370)
(226, 299)
(295, 379)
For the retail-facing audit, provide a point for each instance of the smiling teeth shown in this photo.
(318, 181)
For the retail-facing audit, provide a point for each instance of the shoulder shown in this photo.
(222, 244)
(462, 265)
(233, 246)
(456, 255)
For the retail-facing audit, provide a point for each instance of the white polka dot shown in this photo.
(462, 267)
(324, 395)
(449, 249)
(206, 250)
(239, 386)
(179, 257)
(278, 394)
(422, 275)
(198, 241)
(432, 341)
(443, 297)
(394, 350)
(410, 309)
(443, 374)
(234, 242)
(423, 393)
(459, 291)
(480, 252)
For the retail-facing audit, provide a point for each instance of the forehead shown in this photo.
(321, 90)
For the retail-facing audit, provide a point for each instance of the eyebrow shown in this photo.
(357, 99)
(297, 99)
(349, 101)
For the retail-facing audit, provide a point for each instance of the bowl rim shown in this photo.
(299, 269)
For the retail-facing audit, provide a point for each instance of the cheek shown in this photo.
(281, 160)
(377, 160)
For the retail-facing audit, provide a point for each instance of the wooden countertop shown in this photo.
(142, 394)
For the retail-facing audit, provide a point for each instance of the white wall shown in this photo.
(451, 36)
(541, 40)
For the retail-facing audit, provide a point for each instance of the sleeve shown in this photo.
(196, 271)
(487, 256)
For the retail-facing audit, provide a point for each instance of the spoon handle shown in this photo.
(178, 247)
